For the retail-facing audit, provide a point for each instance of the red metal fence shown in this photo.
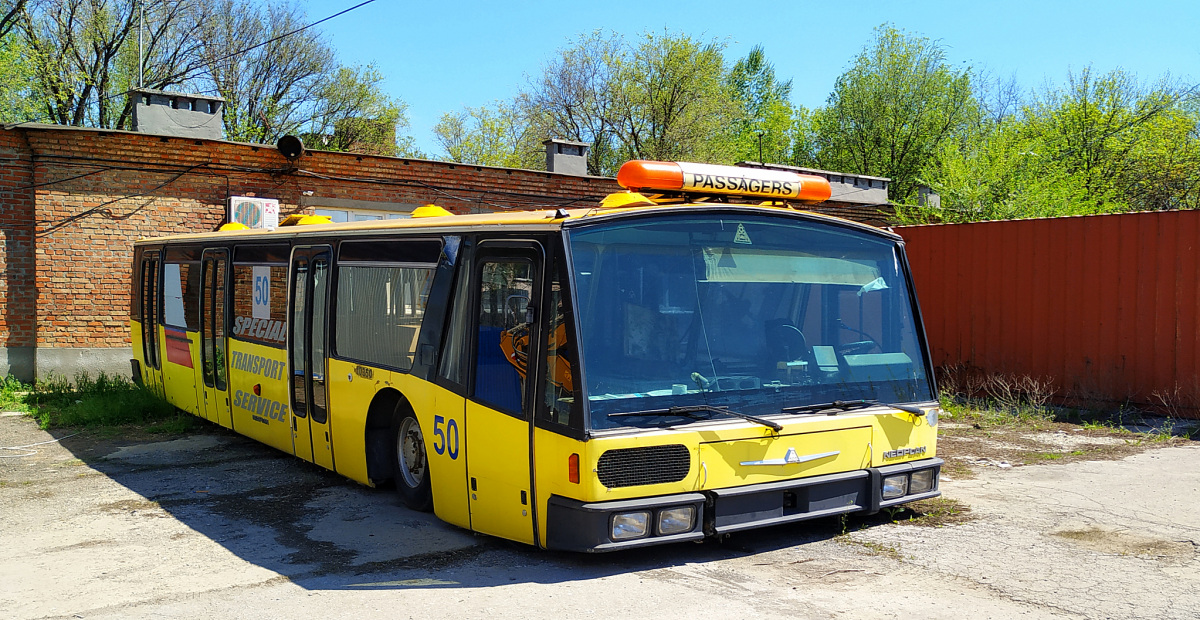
(1105, 306)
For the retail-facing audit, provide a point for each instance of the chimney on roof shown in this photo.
(566, 157)
(926, 197)
(178, 114)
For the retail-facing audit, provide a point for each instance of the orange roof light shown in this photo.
(710, 179)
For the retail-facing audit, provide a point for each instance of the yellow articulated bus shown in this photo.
(689, 358)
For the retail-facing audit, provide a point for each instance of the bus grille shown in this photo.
(627, 467)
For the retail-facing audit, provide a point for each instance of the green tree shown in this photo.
(889, 113)
(1099, 144)
(1099, 128)
(498, 135)
(1003, 173)
(764, 129)
(667, 96)
(84, 56)
(267, 88)
(1165, 173)
(294, 84)
(19, 96)
(672, 102)
(351, 113)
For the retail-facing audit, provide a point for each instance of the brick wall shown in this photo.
(17, 305)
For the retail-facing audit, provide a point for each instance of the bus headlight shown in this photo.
(676, 520)
(629, 525)
(921, 482)
(931, 416)
(895, 486)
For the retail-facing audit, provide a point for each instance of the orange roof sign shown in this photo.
(712, 179)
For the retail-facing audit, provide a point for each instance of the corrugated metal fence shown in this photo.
(1105, 306)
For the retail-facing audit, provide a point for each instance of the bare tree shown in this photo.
(268, 90)
(276, 74)
(86, 53)
(572, 99)
(10, 11)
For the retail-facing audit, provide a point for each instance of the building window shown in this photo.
(360, 215)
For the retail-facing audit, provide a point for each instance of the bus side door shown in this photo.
(213, 359)
(498, 420)
(307, 321)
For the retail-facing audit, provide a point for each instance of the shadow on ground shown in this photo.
(322, 531)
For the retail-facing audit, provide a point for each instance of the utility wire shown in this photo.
(288, 34)
(103, 210)
(285, 35)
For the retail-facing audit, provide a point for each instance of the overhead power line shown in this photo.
(288, 34)
(244, 50)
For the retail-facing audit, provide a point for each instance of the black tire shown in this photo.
(410, 463)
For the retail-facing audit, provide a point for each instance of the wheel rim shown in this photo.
(410, 453)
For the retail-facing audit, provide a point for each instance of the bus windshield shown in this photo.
(750, 312)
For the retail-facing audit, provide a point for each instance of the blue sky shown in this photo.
(441, 56)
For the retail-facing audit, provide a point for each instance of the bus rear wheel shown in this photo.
(411, 464)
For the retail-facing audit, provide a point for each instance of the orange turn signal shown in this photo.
(573, 468)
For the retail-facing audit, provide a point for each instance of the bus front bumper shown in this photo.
(608, 526)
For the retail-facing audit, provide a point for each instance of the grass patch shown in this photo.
(129, 505)
(984, 415)
(13, 394)
(874, 548)
(935, 512)
(955, 469)
(103, 402)
(181, 424)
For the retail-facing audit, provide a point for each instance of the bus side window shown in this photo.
(560, 385)
(451, 368)
(502, 347)
(259, 304)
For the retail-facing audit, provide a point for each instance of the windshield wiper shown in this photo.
(689, 410)
(846, 405)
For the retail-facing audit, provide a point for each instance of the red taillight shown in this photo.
(258, 389)
(573, 468)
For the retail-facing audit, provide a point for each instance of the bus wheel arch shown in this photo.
(378, 433)
(389, 415)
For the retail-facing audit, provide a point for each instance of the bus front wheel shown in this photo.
(411, 464)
